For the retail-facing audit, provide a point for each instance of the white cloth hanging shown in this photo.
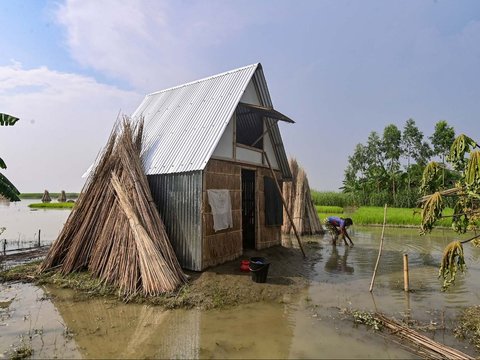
(221, 205)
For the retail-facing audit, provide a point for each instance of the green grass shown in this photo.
(373, 215)
(329, 209)
(71, 195)
(52, 205)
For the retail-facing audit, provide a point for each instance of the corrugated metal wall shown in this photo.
(179, 201)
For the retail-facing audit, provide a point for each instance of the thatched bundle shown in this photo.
(46, 197)
(63, 197)
(299, 202)
(115, 230)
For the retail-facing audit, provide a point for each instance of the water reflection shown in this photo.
(104, 329)
(337, 263)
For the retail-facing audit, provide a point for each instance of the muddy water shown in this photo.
(309, 325)
(64, 328)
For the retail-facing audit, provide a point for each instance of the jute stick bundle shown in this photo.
(99, 235)
(298, 199)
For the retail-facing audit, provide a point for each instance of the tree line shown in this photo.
(388, 169)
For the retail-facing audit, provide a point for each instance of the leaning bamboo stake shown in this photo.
(284, 203)
(380, 249)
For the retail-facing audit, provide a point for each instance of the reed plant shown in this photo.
(332, 198)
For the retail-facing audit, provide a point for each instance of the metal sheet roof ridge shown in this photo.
(255, 65)
(230, 114)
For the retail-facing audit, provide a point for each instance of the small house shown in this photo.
(212, 153)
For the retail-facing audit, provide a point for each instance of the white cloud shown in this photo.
(150, 44)
(65, 119)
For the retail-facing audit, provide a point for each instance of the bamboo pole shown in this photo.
(405, 273)
(380, 249)
(435, 350)
(284, 203)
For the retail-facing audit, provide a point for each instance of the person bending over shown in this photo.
(338, 226)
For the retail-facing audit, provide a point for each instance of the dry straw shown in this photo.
(114, 230)
(298, 200)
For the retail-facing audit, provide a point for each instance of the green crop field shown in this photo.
(373, 215)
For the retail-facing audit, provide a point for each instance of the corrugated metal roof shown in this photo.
(183, 124)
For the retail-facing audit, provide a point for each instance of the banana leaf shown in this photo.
(7, 120)
(7, 189)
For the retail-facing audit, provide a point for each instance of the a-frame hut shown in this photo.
(206, 153)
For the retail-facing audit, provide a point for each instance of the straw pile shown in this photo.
(114, 230)
(299, 202)
(62, 197)
(46, 197)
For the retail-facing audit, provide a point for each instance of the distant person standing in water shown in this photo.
(338, 226)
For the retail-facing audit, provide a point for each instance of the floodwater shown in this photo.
(23, 224)
(54, 323)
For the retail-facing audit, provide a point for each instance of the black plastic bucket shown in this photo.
(259, 269)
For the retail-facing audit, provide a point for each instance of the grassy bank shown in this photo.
(53, 205)
(70, 195)
(373, 215)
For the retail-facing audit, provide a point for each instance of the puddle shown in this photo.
(32, 320)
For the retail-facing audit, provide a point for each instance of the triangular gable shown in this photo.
(184, 124)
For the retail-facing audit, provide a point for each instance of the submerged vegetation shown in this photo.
(468, 327)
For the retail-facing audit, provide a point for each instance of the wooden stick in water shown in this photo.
(380, 249)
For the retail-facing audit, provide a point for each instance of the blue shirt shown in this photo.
(334, 220)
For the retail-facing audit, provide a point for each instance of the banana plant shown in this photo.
(7, 189)
(465, 159)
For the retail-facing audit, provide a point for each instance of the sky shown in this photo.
(341, 69)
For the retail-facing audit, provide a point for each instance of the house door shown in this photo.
(248, 208)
